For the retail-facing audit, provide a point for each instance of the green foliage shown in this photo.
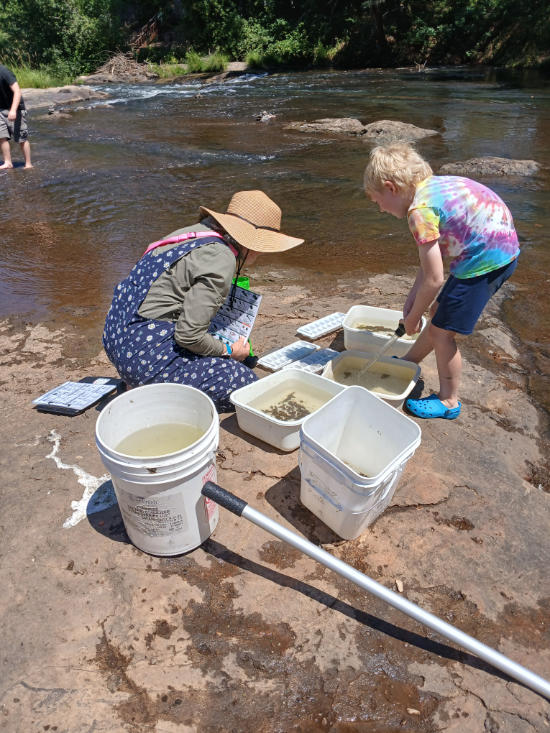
(194, 62)
(168, 71)
(41, 78)
(68, 37)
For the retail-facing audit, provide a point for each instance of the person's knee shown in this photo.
(441, 335)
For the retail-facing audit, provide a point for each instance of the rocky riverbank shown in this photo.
(56, 97)
(98, 635)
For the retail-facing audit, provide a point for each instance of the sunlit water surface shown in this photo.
(120, 173)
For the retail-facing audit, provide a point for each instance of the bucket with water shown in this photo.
(159, 444)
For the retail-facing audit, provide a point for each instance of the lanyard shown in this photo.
(184, 237)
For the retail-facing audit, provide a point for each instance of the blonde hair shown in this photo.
(399, 163)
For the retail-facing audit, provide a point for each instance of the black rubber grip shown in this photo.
(400, 330)
(223, 498)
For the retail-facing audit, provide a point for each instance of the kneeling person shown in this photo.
(157, 327)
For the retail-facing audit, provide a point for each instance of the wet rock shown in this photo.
(265, 117)
(340, 125)
(55, 96)
(389, 131)
(382, 131)
(491, 166)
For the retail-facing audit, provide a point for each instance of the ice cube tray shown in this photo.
(314, 362)
(286, 355)
(322, 326)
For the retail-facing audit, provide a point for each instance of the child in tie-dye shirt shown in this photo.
(450, 217)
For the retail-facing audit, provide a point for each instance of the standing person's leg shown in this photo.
(423, 344)
(449, 365)
(5, 135)
(6, 153)
(26, 148)
(21, 136)
(461, 303)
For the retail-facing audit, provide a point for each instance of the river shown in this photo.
(122, 172)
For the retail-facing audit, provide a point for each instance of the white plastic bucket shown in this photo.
(354, 434)
(160, 497)
(356, 360)
(282, 434)
(361, 339)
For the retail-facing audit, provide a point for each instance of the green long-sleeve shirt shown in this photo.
(191, 292)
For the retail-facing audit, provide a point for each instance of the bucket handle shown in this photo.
(326, 497)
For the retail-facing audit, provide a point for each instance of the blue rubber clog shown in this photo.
(432, 407)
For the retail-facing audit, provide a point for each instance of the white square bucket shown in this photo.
(405, 372)
(352, 453)
(362, 339)
(282, 434)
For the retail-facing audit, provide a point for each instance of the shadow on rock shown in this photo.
(284, 497)
(444, 651)
(104, 515)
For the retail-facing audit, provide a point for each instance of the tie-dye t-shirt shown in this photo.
(474, 226)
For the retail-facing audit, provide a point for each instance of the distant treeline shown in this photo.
(76, 36)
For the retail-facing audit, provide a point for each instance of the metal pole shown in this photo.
(496, 659)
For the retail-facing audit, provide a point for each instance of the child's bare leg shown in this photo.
(449, 364)
(26, 148)
(420, 348)
(6, 154)
(423, 344)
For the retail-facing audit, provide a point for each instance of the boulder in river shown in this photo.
(490, 166)
(383, 131)
(341, 125)
(391, 131)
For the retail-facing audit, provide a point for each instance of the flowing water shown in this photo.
(119, 174)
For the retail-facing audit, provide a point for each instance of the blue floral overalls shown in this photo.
(144, 351)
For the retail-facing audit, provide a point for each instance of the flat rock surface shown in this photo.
(383, 131)
(341, 125)
(59, 96)
(245, 632)
(490, 166)
(388, 131)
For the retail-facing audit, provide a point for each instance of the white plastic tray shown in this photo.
(322, 326)
(286, 355)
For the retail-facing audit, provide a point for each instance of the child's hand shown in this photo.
(412, 325)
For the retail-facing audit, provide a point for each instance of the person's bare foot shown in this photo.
(6, 165)
(29, 166)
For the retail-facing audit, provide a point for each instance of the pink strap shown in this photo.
(184, 237)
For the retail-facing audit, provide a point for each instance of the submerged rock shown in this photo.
(384, 131)
(389, 131)
(490, 166)
(265, 116)
(341, 125)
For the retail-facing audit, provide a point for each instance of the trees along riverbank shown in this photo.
(50, 42)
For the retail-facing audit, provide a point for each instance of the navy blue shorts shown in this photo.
(462, 300)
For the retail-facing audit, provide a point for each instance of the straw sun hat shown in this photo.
(254, 221)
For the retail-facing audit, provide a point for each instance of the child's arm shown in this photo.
(412, 293)
(16, 89)
(428, 281)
